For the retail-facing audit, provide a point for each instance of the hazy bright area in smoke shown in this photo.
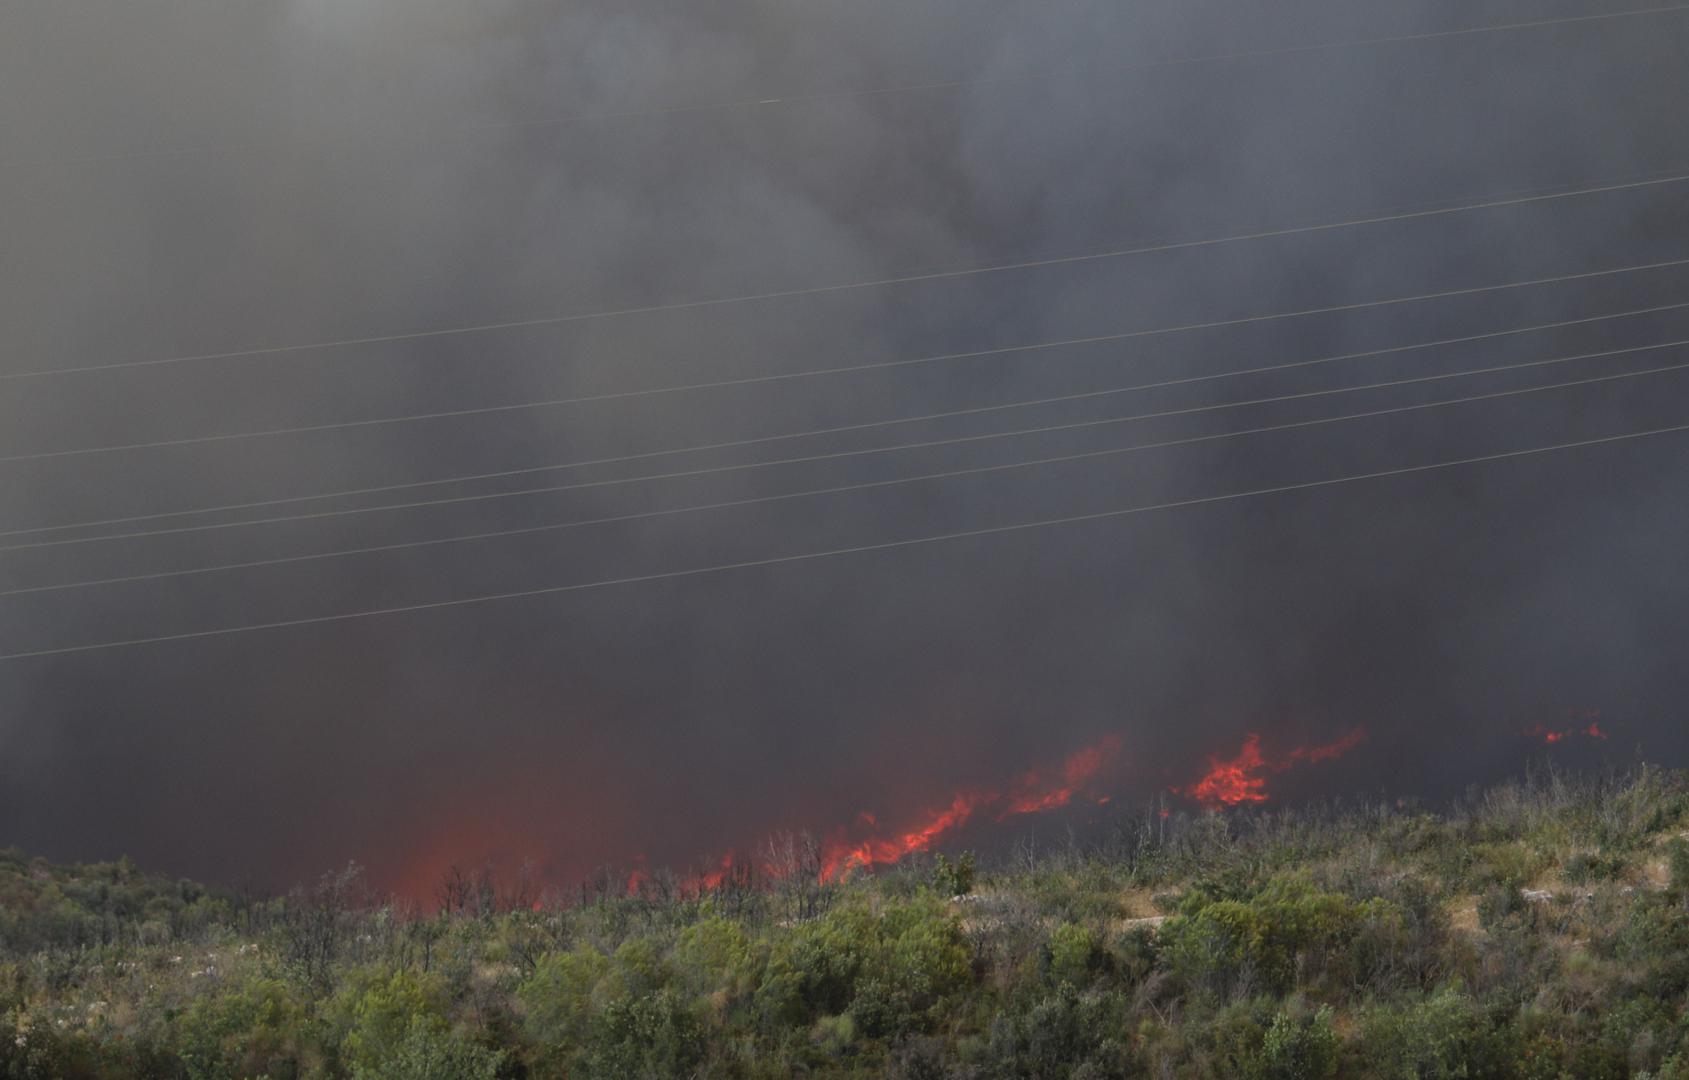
(183, 177)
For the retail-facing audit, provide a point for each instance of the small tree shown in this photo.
(1301, 1048)
(316, 923)
(954, 878)
(432, 1051)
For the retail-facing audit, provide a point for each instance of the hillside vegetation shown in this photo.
(1538, 930)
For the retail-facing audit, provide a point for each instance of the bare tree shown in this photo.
(317, 923)
(793, 860)
(524, 891)
(455, 891)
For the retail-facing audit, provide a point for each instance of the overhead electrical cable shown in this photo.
(859, 549)
(836, 490)
(860, 452)
(1005, 350)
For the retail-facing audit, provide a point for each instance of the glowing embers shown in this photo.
(1551, 736)
(1243, 778)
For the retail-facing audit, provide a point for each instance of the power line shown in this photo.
(778, 560)
(530, 470)
(838, 490)
(905, 279)
(842, 454)
(1096, 339)
(785, 100)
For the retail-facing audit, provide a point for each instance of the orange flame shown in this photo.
(1234, 781)
(1032, 793)
(710, 880)
(1330, 750)
(883, 851)
(1243, 779)
(864, 844)
(1558, 735)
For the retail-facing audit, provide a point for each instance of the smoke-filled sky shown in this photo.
(213, 184)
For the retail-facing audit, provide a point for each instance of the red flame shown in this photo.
(1243, 779)
(1231, 782)
(1032, 793)
(880, 851)
(867, 843)
(1330, 750)
(710, 880)
(1552, 736)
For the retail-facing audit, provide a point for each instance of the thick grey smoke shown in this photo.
(205, 178)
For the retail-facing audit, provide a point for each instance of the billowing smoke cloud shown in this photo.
(224, 178)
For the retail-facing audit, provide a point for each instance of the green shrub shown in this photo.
(1444, 1036)
(638, 968)
(1227, 946)
(1638, 1031)
(249, 1030)
(927, 962)
(1133, 955)
(558, 998)
(877, 1011)
(429, 1050)
(716, 956)
(1499, 903)
(383, 1012)
(954, 878)
(1510, 865)
(101, 969)
(1586, 867)
(1074, 955)
(648, 1038)
(1065, 1034)
(1227, 1041)
(1300, 1047)
(1677, 865)
(813, 969)
(1675, 1067)
(1652, 945)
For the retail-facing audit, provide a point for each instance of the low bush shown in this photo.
(1303, 945)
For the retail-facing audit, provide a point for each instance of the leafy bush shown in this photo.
(1444, 1036)
(813, 970)
(1229, 946)
(1300, 1047)
(250, 1030)
(1316, 943)
(382, 1014)
(1074, 955)
(717, 956)
(430, 1051)
(1063, 1034)
(1677, 866)
(1652, 944)
(954, 878)
(558, 1002)
(926, 962)
(1499, 903)
(1586, 867)
(647, 1038)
